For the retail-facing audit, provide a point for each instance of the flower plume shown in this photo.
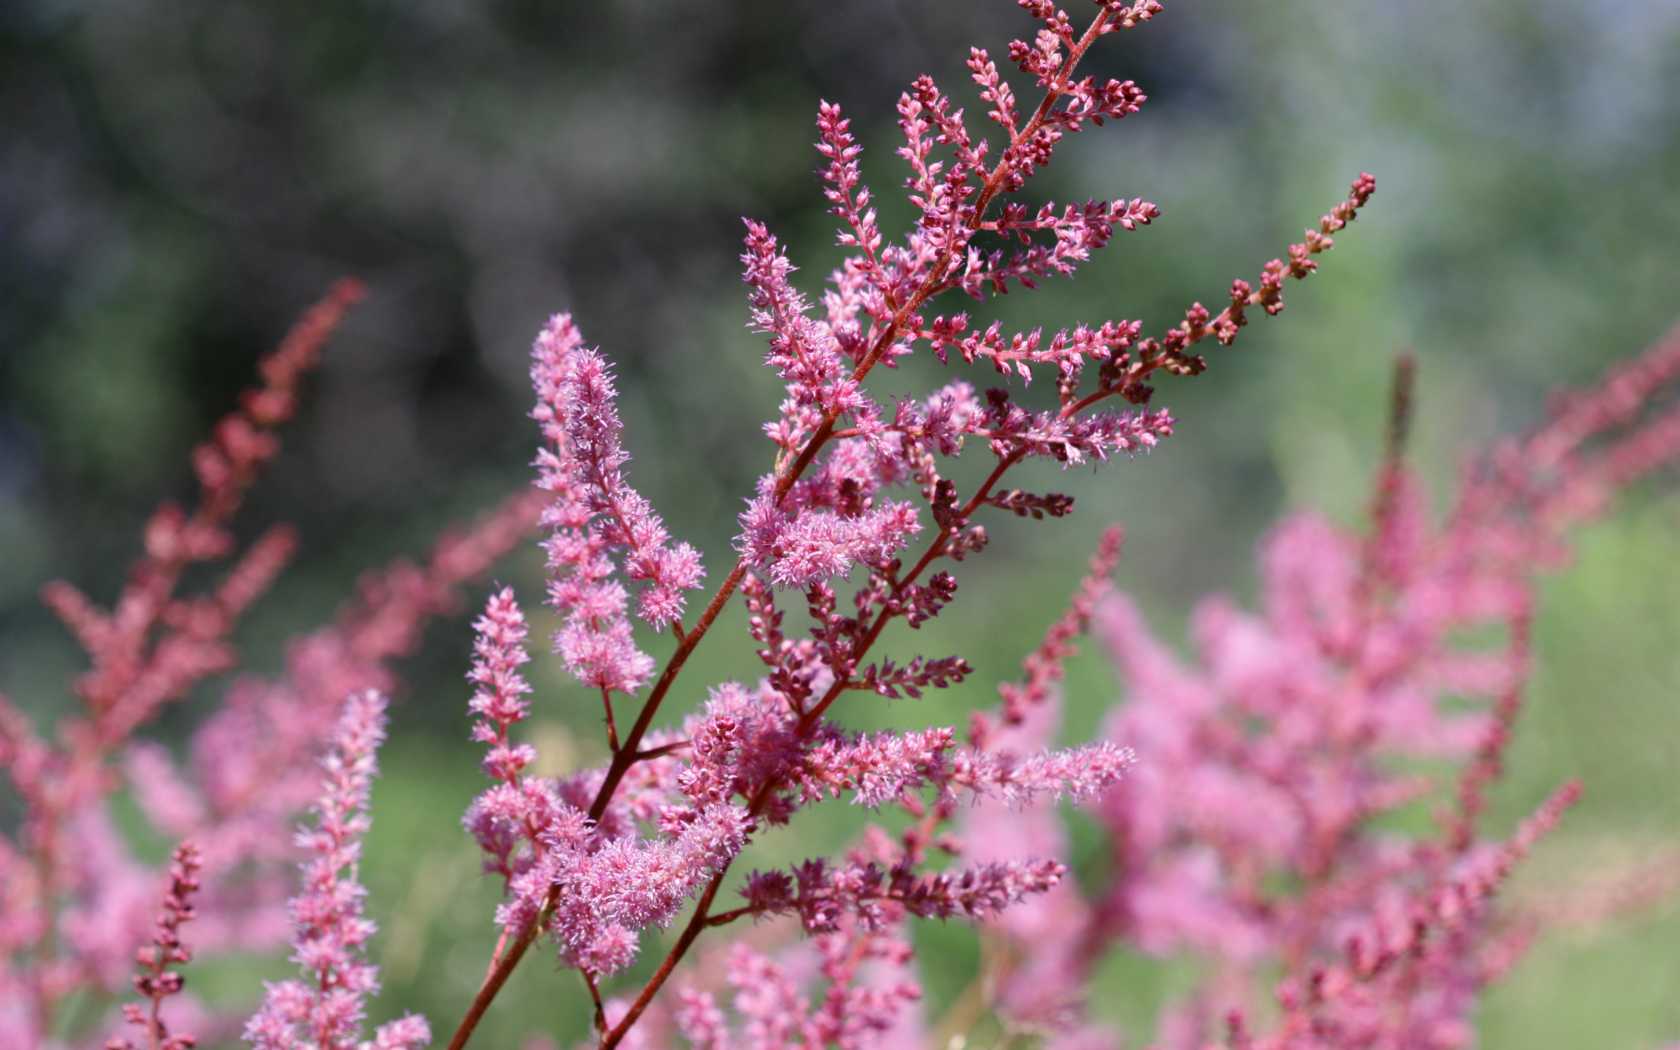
(330, 933)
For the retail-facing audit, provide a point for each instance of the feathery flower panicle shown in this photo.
(596, 511)
(78, 901)
(823, 895)
(151, 647)
(508, 818)
(856, 497)
(1043, 667)
(251, 765)
(499, 702)
(330, 933)
(864, 986)
(1245, 835)
(1241, 793)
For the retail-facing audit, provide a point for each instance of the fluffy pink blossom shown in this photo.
(595, 511)
(330, 933)
(855, 991)
(250, 766)
(857, 498)
(858, 522)
(499, 702)
(69, 869)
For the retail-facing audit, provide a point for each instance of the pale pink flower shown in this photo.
(330, 933)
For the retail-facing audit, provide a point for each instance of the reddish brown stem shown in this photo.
(612, 726)
(627, 755)
(493, 982)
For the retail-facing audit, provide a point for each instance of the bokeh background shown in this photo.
(179, 178)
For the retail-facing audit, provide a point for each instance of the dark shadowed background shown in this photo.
(179, 178)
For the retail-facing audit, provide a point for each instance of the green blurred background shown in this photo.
(178, 178)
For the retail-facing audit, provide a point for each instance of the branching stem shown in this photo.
(627, 753)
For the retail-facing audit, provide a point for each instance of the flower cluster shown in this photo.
(1241, 796)
(156, 981)
(869, 981)
(79, 901)
(1250, 835)
(857, 492)
(330, 933)
(580, 466)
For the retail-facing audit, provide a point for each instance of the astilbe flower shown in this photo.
(77, 902)
(1245, 836)
(330, 933)
(250, 764)
(1243, 832)
(147, 651)
(509, 817)
(595, 511)
(866, 983)
(856, 496)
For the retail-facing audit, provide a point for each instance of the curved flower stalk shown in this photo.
(330, 934)
(595, 511)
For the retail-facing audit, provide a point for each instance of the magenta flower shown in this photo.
(861, 975)
(1247, 833)
(78, 900)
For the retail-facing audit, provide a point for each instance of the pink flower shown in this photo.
(330, 933)
(595, 512)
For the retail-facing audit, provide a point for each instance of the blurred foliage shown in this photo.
(179, 177)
